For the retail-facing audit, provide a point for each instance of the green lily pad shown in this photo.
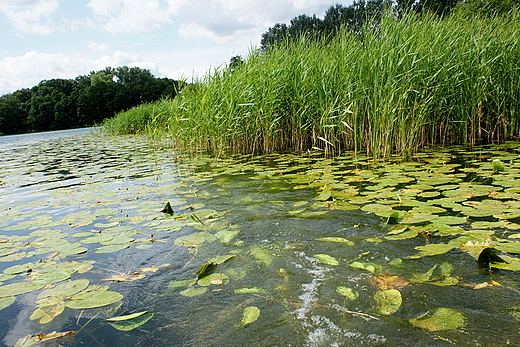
(250, 315)
(19, 288)
(182, 283)
(92, 299)
(250, 290)
(221, 259)
(326, 259)
(129, 322)
(348, 293)
(450, 220)
(6, 302)
(17, 269)
(111, 248)
(48, 313)
(194, 291)
(225, 236)
(388, 301)
(215, 279)
(368, 267)
(65, 289)
(439, 319)
(431, 249)
(341, 240)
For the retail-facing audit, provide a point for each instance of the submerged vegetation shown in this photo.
(406, 83)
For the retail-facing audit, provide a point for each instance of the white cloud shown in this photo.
(98, 48)
(31, 68)
(131, 16)
(31, 16)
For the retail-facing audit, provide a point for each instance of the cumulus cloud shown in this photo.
(131, 16)
(31, 16)
(29, 69)
(98, 48)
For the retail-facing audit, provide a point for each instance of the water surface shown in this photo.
(295, 230)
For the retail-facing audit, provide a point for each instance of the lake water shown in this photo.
(301, 249)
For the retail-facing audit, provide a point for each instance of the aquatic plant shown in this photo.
(410, 83)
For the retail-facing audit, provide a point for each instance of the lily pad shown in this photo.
(326, 259)
(250, 315)
(431, 249)
(342, 240)
(388, 301)
(65, 289)
(348, 293)
(194, 291)
(48, 313)
(439, 319)
(92, 299)
(6, 302)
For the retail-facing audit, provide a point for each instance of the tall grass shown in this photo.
(412, 82)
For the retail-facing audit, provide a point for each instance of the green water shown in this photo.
(306, 240)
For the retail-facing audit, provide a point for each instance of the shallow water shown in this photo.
(271, 215)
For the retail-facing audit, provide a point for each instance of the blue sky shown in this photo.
(44, 39)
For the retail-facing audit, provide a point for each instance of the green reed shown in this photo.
(408, 83)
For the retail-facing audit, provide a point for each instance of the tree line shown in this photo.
(58, 104)
(362, 12)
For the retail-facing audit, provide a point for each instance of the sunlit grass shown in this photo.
(411, 83)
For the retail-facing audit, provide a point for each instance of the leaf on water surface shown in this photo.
(225, 236)
(497, 165)
(168, 209)
(65, 289)
(182, 283)
(6, 301)
(206, 269)
(124, 278)
(19, 288)
(487, 256)
(262, 255)
(195, 239)
(222, 259)
(341, 240)
(326, 259)
(130, 322)
(111, 248)
(153, 268)
(369, 267)
(250, 290)
(511, 264)
(250, 315)
(97, 239)
(194, 291)
(31, 340)
(415, 218)
(348, 293)
(388, 301)
(439, 319)
(17, 269)
(213, 279)
(431, 249)
(325, 194)
(47, 313)
(93, 299)
(384, 282)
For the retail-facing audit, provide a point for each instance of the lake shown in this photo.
(276, 250)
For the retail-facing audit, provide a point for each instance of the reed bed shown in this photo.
(408, 83)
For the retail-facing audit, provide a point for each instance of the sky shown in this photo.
(179, 39)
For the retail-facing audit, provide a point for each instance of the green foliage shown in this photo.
(413, 81)
(87, 100)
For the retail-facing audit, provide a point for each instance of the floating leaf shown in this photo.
(194, 291)
(250, 315)
(324, 195)
(337, 239)
(215, 279)
(222, 258)
(182, 283)
(168, 209)
(250, 290)
(19, 288)
(262, 255)
(388, 301)
(131, 321)
(369, 267)
(206, 269)
(225, 236)
(124, 278)
(6, 302)
(17, 269)
(111, 248)
(497, 165)
(326, 259)
(65, 289)
(487, 256)
(385, 282)
(92, 299)
(439, 319)
(31, 340)
(48, 313)
(348, 293)
(431, 249)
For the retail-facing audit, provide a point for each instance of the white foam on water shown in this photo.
(321, 330)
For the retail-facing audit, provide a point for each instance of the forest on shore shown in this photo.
(58, 104)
